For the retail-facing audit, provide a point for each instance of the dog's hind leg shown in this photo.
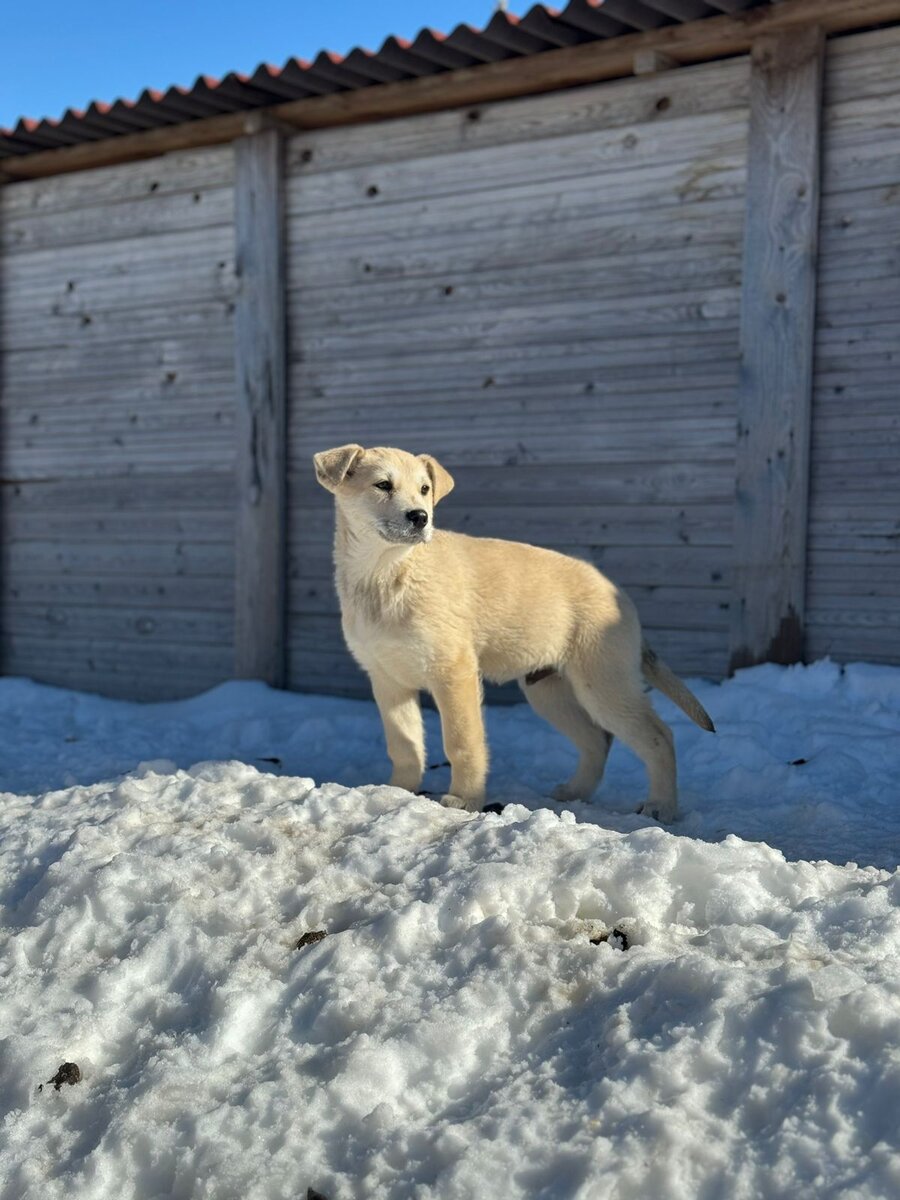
(551, 696)
(401, 716)
(614, 698)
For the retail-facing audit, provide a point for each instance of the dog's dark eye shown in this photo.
(385, 485)
(425, 489)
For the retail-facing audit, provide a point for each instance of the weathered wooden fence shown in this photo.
(652, 322)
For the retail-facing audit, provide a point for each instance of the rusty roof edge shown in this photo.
(546, 29)
(502, 76)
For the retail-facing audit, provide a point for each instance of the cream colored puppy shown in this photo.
(427, 609)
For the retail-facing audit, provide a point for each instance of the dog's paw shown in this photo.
(659, 811)
(566, 794)
(450, 801)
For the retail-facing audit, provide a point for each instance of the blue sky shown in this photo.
(63, 55)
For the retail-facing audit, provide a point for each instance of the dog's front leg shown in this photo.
(457, 694)
(401, 716)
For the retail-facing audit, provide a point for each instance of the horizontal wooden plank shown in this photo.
(860, 422)
(516, 299)
(850, 645)
(601, 433)
(623, 102)
(330, 672)
(861, 64)
(493, 401)
(121, 362)
(849, 461)
(587, 344)
(840, 363)
(89, 558)
(839, 566)
(852, 128)
(878, 162)
(656, 389)
(76, 623)
(68, 325)
(844, 161)
(199, 385)
(99, 221)
(559, 318)
(534, 397)
(691, 652)
(863, 221)
(865, 542)
(103, 525)
(852, 484)
(870, 435)
(149, 592)
(648, 194)
(856, 225)
(569, 484)
(853, 383)
(433, 275)
(619, 155)
(129, 428)
(701, 281)
(499, 442)
(126, 670)
(866, 401)
(204, 491)
(73, 457)
(877, 262)
(482, 239)
(879, 531)
(180, 265)
(489, 234)
(173, 174)
(566, 333)
(863, 340)
(835, 512)
(870, 307)
(61, 323)
(707, 287)
(857, 593)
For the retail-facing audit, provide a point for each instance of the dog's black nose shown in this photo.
(418, 516)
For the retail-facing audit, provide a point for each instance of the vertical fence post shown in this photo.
(260, 372)
(777, 335)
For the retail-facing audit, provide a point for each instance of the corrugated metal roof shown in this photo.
(505, 36)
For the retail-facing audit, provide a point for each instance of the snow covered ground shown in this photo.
(456, 1034)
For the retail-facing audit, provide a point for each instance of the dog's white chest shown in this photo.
(390, 646)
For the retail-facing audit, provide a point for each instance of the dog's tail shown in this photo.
(657, 673)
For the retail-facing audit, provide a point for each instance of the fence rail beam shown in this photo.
(777, 333)
(260, 420)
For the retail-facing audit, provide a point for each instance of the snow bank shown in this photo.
(456, 1033)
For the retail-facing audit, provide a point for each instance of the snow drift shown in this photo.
(461, 1029)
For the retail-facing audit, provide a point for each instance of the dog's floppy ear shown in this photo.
(332, 466)
(441, 480)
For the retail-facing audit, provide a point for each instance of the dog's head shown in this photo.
(388, 491)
